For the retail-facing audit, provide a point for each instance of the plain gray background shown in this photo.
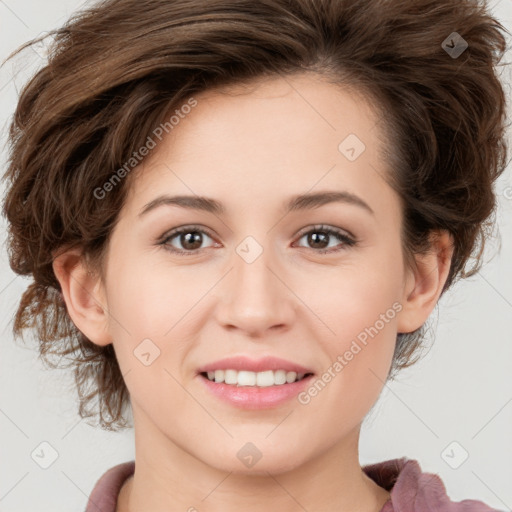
(458, 399)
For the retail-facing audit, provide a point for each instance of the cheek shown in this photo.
(358, 307)
(349, 299)
(359, 357)
(147, 311)
(154, 316)
(148, 299)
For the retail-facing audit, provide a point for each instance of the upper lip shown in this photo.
(254, 365)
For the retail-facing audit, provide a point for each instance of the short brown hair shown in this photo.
(116, 70)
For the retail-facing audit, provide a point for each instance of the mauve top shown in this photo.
(411, 490)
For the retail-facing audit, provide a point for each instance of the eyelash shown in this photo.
(347, 241)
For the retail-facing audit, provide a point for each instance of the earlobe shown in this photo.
(425, 283)
(83, 294)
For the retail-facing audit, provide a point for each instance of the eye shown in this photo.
(320, 237)
(190, 238)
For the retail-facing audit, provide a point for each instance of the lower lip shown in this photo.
(252, 397)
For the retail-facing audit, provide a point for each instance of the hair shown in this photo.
(117, 69)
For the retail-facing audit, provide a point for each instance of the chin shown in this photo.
(258, 459)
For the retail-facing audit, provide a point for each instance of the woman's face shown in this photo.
(253, 280)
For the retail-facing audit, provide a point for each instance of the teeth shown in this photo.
(259, 379)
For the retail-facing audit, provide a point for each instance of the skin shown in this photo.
(252, 149)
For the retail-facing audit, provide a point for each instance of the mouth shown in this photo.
(246, 378)
(257, 384)
(244, 371)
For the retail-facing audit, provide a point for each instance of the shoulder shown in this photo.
(415, 491)
(106, 490)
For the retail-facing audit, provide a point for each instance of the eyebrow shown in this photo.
(296, 203)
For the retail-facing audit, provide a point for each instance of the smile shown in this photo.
(258, 379)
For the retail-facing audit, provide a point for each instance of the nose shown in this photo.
(256, 297)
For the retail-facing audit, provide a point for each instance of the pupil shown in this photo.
(193, 237)
(314, 238)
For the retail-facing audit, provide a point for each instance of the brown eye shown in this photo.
(189, 240)
(320, 237)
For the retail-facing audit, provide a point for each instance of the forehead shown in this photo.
(273, 138)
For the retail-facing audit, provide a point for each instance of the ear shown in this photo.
(423, 285)
(84, 296)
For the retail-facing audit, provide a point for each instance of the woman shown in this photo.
(238, 217)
